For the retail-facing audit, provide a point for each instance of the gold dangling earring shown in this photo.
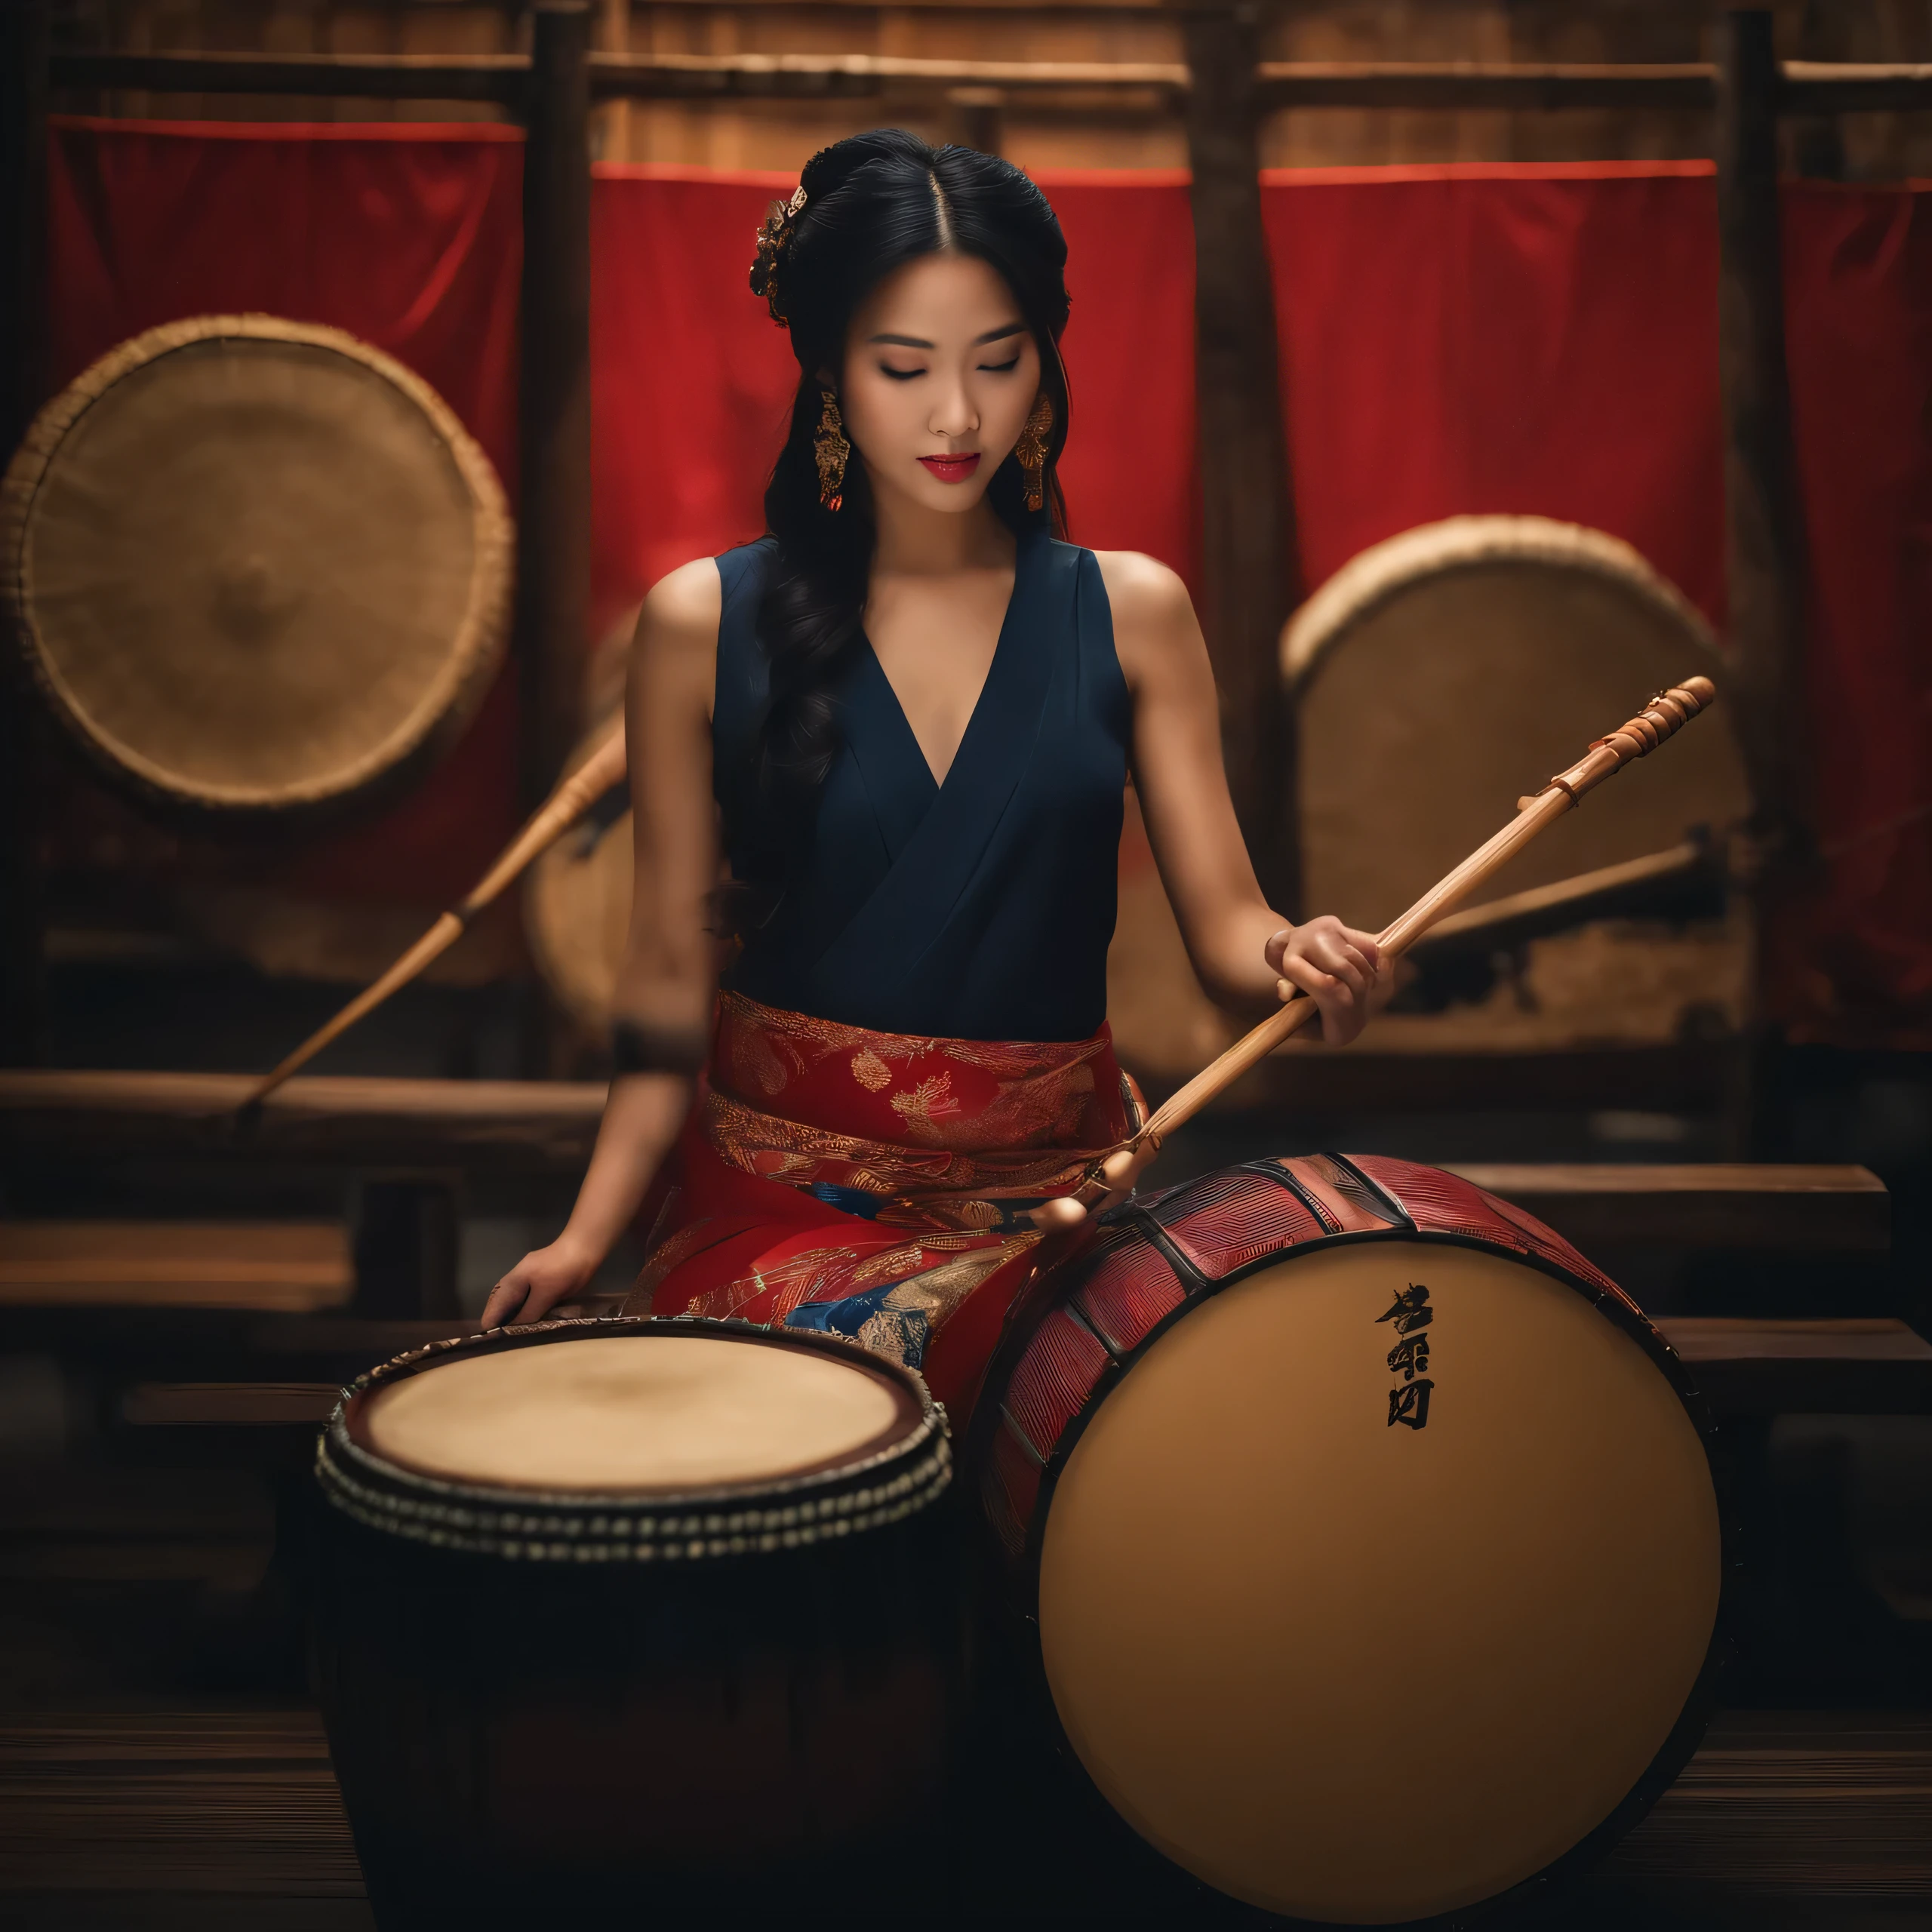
(1032, 451)
(831, 450)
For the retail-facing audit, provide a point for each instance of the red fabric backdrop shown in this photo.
(1538, 338)
(411, 238)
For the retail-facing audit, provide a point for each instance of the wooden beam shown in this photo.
(553, 507)
(656, 76)
(1249, 567)
(1764, 542)
(1687, 85)
(1831, 87)
(23, 49)
(500, 78)
(1806, 87)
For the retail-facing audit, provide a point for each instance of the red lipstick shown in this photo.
(952, 469)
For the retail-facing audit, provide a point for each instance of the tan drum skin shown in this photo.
(1271, 1622)
(576, 910)
(1460, 663)
(684, 1413)
(255, 565)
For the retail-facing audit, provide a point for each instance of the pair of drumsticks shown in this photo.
(1665, 715)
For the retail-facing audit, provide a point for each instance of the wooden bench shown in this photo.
(292, 1267)
(1759, 1204)
(524, 1124)
(1760, 1367)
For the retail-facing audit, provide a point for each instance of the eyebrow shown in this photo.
(979, 341)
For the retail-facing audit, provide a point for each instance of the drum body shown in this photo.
(1371, 1532)
(677, 1687)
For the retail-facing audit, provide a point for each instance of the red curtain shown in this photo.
(1516, 339)
(694, 381)
(1853, 964)
(1534, 339)
(408, 237)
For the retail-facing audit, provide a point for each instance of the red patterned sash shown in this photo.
(875, 1184)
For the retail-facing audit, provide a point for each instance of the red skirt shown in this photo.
(876, 1185)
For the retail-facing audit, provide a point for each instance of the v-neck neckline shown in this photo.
(935, 785)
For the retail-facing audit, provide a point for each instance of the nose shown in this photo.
(953, 413)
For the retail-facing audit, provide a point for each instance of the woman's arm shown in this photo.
(1246, 954)
(665, 986)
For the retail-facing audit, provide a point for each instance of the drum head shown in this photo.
(633, 1415)
(255, 564)
(1464, 663)
(1348, 1668)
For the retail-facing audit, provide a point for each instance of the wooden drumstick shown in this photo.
(604, 767)
(1661, 718)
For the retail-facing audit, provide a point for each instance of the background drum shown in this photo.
(1465, 660)
(1371, 1532)
(576, 906)
(617, 1614)
(1458, 664)
(255, 565)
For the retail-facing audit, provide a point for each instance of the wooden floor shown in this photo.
(220, 1819)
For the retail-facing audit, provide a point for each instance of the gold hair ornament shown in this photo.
(774, 234)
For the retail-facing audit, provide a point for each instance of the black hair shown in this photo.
(871, 204)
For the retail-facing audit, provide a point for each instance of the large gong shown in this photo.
(1441, 674)
(255, 565)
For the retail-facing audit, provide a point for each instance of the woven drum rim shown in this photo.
(613, 1526)
(1373, 577)
(468, 669)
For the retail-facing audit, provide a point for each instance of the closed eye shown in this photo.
(1001, 368)
(899, 375)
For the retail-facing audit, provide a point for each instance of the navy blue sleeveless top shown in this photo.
(977, 909)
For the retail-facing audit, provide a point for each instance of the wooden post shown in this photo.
(553, 509)
(1764, 529)
(1764, 541)
(1249, 568)
(24, 57)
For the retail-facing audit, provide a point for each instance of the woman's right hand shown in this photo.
(544, 1277)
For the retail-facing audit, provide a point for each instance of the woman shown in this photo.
(916, 711)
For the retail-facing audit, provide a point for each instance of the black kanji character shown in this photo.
(1411, 1310)
(1409, 1404)
(1410, 1358)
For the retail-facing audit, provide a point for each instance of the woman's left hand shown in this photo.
(1341, 969)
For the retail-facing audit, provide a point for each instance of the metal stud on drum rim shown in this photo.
(255, 565)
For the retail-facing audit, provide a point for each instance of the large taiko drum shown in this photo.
(1462, 663)
(1371, 1532)
(615, 1615)
(255, 565)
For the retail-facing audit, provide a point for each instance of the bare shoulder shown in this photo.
(683, 608)
(676, 648)
(1156, 631)
(1142, 589)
